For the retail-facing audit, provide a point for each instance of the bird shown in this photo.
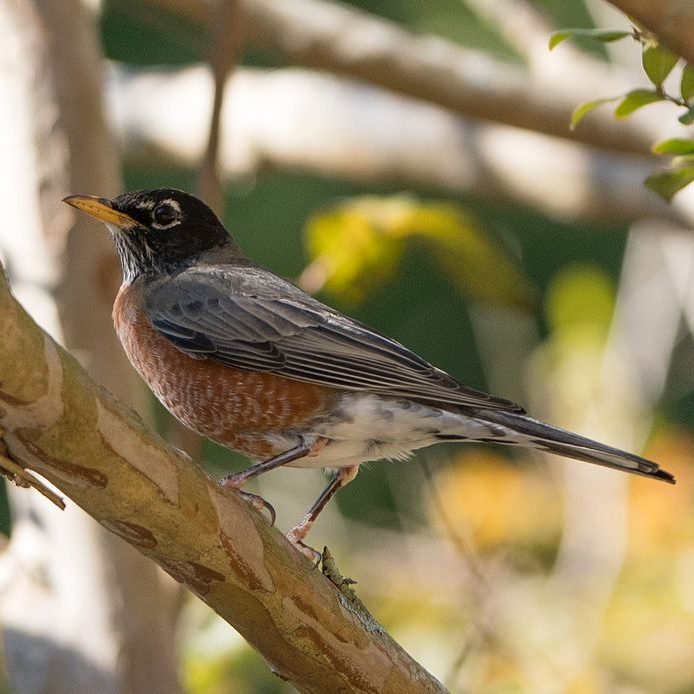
(247, 359)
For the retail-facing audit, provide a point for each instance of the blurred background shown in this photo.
(411, 164)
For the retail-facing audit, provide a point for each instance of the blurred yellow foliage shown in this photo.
(661, 516)
(498, 502)
(580, 298)
(359, 245)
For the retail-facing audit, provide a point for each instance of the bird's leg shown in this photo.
(238, 479)
(297, 534)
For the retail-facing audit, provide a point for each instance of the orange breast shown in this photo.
(230, 406)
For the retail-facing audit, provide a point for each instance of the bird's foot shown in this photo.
(296, 536)
(234, 481)
(254, 500)
(260, 504)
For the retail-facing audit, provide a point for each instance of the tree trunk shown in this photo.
(57, 142)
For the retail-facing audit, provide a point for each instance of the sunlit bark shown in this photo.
(57, 422)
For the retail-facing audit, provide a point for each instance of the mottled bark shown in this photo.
(57, 422)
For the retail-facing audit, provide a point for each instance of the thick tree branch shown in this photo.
(671, 20)
(58, 423)
(331, 36)
(55, 140)
(318, 132)
(521, 24)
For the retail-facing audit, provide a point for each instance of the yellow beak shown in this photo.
(101, 209)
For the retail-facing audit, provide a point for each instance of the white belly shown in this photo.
(369, 427)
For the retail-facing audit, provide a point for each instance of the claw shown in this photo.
(313, 555)
(258, 503)
(297, 534)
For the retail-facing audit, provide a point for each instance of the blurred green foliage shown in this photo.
(451, 19)
(5, 511)
(218, 673)
(581, 298)
(137, 33)
(358, 246)
(658, 62)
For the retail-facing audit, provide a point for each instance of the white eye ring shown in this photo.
(166, 214)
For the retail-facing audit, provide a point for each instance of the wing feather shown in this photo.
(252, 319)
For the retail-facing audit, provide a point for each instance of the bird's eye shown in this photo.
(165, 215)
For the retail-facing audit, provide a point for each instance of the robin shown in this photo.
(245, 358)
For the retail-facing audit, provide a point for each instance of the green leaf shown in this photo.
(636, 99)
(687, 82)
(667, 183)
(357, 247)
(683, 162)
(352, 248)
(601, 35)
(582, 110)
(658, 62)
(676, 145)
(687, 118)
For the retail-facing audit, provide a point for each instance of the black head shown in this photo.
(157, 231)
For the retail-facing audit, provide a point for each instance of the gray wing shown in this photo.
(250, 318)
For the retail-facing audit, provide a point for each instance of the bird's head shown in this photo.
(157, 230)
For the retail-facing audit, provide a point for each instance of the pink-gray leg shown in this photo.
(297, 534)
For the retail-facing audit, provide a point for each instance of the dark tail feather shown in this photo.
(545, 437)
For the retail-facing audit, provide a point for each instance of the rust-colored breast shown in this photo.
(230, 406)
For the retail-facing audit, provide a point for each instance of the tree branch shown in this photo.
(521, 24)
(331, 36)
(55, 140)
(61, 425)
(227, 40)
(318, 132)
(671, 20)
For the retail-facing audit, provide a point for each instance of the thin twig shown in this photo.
(462, 544)
(23, 478)
(226, 45)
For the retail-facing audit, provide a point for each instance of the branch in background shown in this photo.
(226, 45)
(612, 397)
(54, 141)
(655, 303)
(227, 38)
(167, 114)
(671, 20)
(60, 424)
(330, 36)
(521, 24)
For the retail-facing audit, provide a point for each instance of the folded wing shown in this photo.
(253, 319)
